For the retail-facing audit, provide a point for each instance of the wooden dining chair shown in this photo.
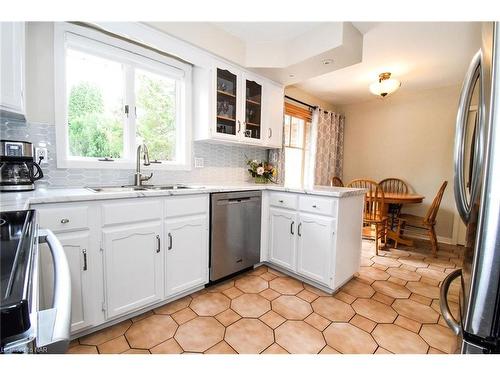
(394, 185)
(373, 211)
(427, 222)
(397, 186)
(336, 181)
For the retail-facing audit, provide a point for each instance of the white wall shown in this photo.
(206, 36)
(40, 72)
(410, 137)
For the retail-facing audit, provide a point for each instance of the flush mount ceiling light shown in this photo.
(385, 85)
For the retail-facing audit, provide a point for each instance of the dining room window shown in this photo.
(297, 133)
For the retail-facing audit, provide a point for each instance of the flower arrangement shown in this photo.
(262, 171)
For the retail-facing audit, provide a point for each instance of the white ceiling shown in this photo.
(262, 32)
(286, 52)
(422, 55)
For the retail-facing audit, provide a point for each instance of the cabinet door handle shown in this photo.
(170, 242)
(239, 126)
(291, 227)
(270, 132)
(298, 229)
(158, 247)
(314, 206)
(281, 201)
(64, 221)
(84, 252)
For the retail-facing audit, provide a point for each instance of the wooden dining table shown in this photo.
(399, 198)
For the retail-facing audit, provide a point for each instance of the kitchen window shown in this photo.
(297, 133)
(112, 95)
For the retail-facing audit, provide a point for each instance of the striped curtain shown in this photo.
(328, 129)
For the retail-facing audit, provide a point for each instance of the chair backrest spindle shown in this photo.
(374, 198)
(394, 185)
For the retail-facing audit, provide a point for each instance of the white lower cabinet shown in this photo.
(133, 272)
(302, 242)
(186, 245)
(283, 225)
(77, 248)
(315, 247)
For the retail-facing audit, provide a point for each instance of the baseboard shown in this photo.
(441, 239)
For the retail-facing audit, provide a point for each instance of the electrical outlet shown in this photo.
(41, 152)
(199, 162)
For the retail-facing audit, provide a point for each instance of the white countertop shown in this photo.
(23, 200)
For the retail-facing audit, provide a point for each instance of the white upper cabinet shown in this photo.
(273, 116)
(253, 115)
(12, 68)
(228, 111)
(242, 107)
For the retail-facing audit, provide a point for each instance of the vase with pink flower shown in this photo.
(262, 171)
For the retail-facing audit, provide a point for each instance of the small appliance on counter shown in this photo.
(24, 327)
(18, 168)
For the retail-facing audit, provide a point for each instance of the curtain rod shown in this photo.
(137, 43)
(301, 102)
(304, 103)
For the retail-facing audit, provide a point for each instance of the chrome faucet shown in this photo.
(138, 177)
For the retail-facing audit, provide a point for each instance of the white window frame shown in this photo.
(99, 44)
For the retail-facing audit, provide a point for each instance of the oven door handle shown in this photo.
(443, 302)
(54, 324)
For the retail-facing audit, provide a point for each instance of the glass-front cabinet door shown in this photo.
(227, 103)
(252, 109)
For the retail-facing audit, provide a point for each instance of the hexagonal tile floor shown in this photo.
(390, 306)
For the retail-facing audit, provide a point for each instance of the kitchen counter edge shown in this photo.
(23, 200)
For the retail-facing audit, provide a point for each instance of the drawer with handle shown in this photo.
(59, 219)
(186, 205)
(318, 205)
(125, 211)
(284, 200)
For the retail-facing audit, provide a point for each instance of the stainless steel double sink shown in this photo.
(125, 188)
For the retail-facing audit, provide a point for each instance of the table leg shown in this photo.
(393, 235)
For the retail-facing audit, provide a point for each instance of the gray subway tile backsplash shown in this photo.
(223, 164)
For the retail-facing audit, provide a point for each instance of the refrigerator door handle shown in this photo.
(473, 73)
(443, 302)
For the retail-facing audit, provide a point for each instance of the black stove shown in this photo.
(24, 328)
(17, 259)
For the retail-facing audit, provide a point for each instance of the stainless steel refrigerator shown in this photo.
(477, 196)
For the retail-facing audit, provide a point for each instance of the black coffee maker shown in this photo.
(18, 168)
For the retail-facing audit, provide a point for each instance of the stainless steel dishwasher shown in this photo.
(234, 233)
